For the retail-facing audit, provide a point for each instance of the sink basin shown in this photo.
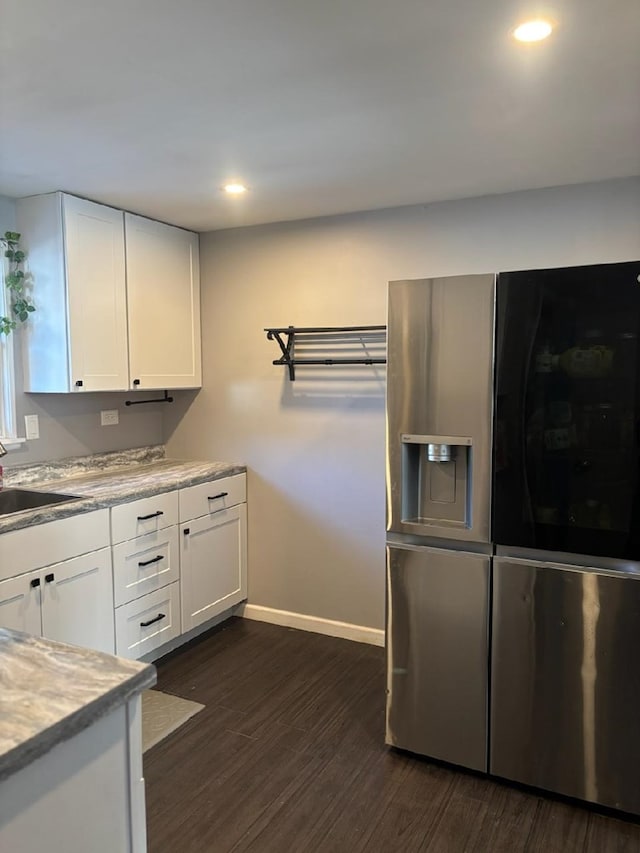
(17, 500)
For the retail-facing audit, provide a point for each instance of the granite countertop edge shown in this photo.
(122, 486)
(23, 754)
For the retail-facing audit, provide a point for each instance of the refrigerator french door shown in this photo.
(565, 687)
(566, 456)
(565, 680)
(439, 404)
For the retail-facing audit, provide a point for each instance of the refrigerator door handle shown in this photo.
(455, 440)
(481, 549)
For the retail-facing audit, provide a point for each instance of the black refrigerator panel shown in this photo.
(567, 411)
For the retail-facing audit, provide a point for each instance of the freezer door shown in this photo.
(439, 406)
(437, 653)
(565, 682)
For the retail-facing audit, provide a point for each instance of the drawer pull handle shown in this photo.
(152, 560)
(35, 583)
(151, 621)
(215, 497)
(151, 515)
(50, 577)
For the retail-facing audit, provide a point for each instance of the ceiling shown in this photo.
(320, 106)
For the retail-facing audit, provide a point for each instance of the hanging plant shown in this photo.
(15, 281)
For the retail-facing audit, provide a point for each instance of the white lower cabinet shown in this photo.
(69, 599)
(148, 622)
(146, 573)
(147, 581)
(71, 602)
(213, 564)
(86, 795)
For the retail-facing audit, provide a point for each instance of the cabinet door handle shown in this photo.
(151, 621)
(151, 515)
(152, 560)
(49, 578)
(136, 381)
(79, 383)
(187, 531)
(215, 497)
(35, 583)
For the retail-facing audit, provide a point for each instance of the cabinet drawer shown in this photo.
(148, 622)
(210, 497)
(145, 564)
(144, 516)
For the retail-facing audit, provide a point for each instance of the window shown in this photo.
(7, 385)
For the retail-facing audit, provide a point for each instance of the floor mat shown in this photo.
(162, 714)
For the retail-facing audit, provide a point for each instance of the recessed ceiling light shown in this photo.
(234, 188)
(533, 30)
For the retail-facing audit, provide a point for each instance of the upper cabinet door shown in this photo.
(96, 283)
(163, 286)
(76, 340)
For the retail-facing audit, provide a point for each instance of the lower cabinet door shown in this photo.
(213, 564)
(148, 622)
(20, 603)
(77, 601)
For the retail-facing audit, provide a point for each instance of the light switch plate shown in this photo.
(109, 417)
(31, 427)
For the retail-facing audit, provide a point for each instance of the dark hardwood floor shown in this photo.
(288, 756)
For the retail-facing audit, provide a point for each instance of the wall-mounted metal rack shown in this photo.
(313, 342)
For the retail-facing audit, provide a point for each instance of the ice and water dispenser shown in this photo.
(436, 478)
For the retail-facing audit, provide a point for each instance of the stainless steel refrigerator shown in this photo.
(513, 536)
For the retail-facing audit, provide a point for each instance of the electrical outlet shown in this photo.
(31, 426)
(109, 417)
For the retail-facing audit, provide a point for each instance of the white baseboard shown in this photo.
(345, 630)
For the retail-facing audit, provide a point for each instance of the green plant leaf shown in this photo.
(15, 281)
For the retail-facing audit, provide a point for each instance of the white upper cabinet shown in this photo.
(163, 284)
(76, 340)
(117, 299)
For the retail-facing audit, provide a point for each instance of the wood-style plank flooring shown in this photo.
(288, 756)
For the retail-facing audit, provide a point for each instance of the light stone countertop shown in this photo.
(104, 480)
(51, 691)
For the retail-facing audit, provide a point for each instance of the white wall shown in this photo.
(70, 423)
(315, 447)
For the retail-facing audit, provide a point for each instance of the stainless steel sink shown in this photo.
(17, 500)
